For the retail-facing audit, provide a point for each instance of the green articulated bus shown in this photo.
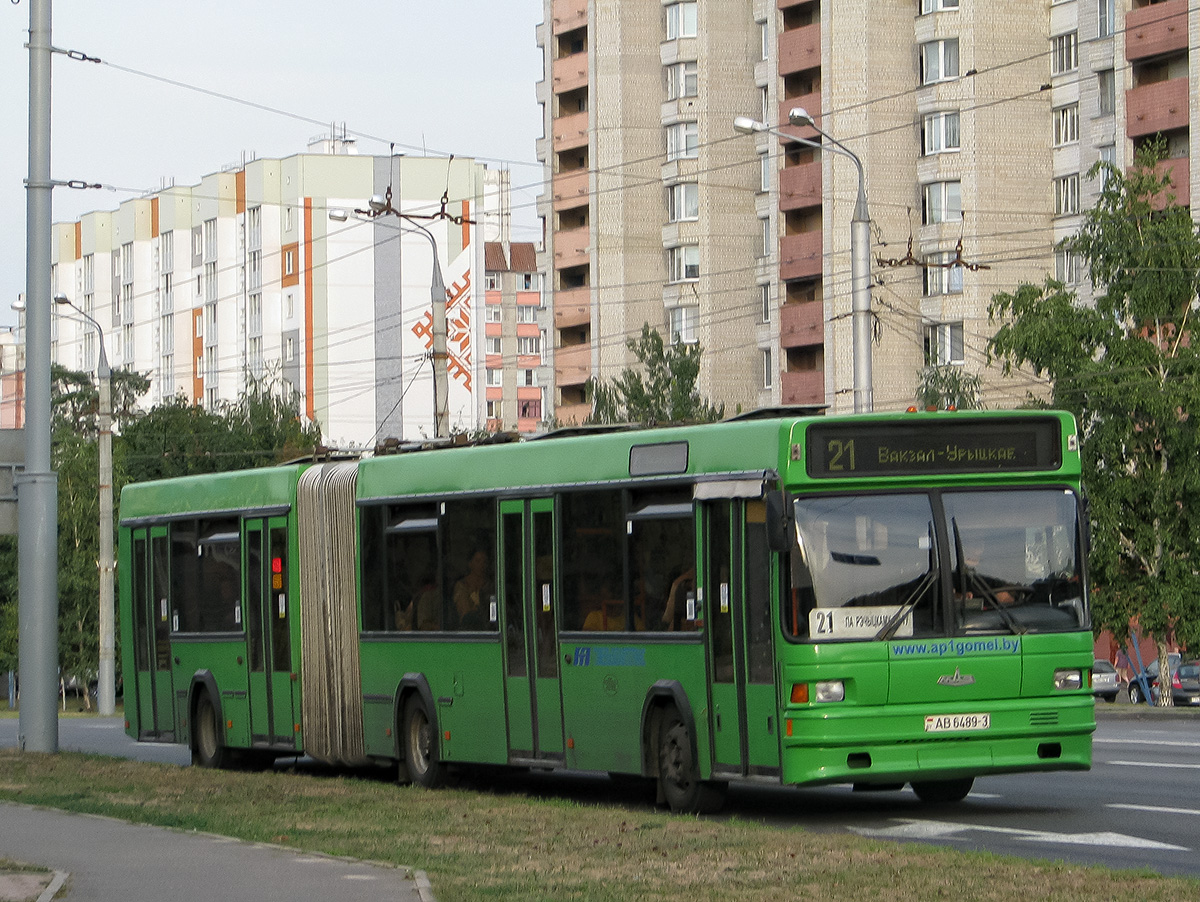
(875, 600)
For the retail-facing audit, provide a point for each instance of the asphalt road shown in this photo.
(1139, 806)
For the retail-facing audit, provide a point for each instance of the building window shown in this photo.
(936, 6)
(681, 324)
(939, 61)
(684, 263)
(491, 281)
(530, 409)
(1066, 266)
(492, 345)
(491, 409)
(768, 375)
(289, 263)
(765, 295)
(1107, 17)
(1066, 125)
(942, 202)
(683, 141)
(526, 313)
(944, 344)
(1108, 154)
(1106, 88)
(529, 378)
(289, 349)
(494, 378)
(764, 34)
(166, 249)
(938, 278)
(529, 345)
(1066, 195)
(683, 202)
(530, 281)
(939, 133)
(1064, 53)
(491, 313)
(681, 20)
(682, 80)
(764, 175)
(764, 225)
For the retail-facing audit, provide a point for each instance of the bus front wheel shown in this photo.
(209, 750)
(421, 745)
(678, 773)
(941, 791)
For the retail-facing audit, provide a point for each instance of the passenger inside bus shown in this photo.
(681, 612)
(471, 593)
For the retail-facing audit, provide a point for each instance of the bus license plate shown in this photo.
(956, 723)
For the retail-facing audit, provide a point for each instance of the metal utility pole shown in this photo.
(37, 488)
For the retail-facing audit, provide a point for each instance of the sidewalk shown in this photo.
(102, 859)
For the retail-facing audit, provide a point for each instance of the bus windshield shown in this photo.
(871, 567)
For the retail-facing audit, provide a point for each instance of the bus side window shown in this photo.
(592, 561)
(468, 530)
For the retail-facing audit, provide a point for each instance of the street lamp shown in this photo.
(106, 691)
(381, 205)
(860, 248)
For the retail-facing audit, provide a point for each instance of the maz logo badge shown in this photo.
(956, 679)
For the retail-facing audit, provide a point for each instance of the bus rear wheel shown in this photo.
(678, 773)
(943, 791)
(208, 750)
(421, 745)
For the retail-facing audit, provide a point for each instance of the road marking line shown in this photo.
(1156, 809)
(914, 829)
(1150, 742)
(1153, 764)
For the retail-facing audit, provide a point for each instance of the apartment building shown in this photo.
(976, 125)
(515, 326)
(247, 277)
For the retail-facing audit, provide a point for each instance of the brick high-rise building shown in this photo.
(976, 124)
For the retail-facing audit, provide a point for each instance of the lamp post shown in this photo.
(381, 205)
(106, 691)
(860, 248)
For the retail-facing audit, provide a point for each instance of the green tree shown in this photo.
(1129, 368)
(943, 387)
(664, 393)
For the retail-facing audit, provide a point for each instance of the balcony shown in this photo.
(572, 307)
(801, 325)
(568, 73)
(800, 256)
(567, 15)
(570, 189)
(805, 387)
(1156, 29)
(800, 49)
(570, 131)
(800, 186)
(811, 104)
(573, 414)
(571, 247)
(572, 364)
(1178, 170)
(1158, 107)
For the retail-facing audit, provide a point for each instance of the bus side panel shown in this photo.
(605, 682)
(466, 679)
(224, 658)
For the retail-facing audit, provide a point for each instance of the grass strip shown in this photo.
(496, 846)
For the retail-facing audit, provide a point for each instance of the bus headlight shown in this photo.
(829, 691)
(1067, 679)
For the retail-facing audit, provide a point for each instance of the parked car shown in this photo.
(1106, 683)
(1185, 684)
(1151, 674)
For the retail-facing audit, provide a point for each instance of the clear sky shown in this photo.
(450, 76)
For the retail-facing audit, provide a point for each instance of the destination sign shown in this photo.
(933, 446)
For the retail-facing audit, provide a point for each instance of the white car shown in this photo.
(1105, 681)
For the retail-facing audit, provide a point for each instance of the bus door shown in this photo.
(155, 692)
(737, 577)
(268, 637)
(533, 690)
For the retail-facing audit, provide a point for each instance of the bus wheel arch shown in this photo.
(670, 752)
(207, 722)
(418, 748)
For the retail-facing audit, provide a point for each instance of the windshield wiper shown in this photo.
(907, 606)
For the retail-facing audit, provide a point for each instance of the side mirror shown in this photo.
(779, 537)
